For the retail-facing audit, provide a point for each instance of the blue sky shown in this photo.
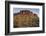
(16, 10)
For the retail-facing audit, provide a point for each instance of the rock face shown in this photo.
(26, 18)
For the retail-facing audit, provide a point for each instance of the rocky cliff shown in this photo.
(26, 18)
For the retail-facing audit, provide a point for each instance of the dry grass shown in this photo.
(26, 21)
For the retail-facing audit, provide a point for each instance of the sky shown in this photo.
(34, 10)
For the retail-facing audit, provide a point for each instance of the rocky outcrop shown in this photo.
(26, 18)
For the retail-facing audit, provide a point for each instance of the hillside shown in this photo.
(26, 18)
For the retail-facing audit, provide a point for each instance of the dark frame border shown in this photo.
(7, 20)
